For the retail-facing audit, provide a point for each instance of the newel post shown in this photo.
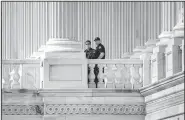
(146, 75)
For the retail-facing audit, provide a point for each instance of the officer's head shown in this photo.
(97, 40)
(88, 44)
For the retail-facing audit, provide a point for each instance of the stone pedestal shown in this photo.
(64, 65)
(173, 57)
(182, 48)
(158, 63)
(178, 35)
(146, 57)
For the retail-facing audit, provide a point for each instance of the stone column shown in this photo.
(178, 30)
(54, 19)
(166, 26)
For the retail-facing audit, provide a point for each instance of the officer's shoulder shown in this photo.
(91, 49)
(101, 46)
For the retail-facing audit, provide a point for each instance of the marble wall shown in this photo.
(121, 25)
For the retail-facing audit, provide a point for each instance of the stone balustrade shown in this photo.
(20, 74)
(122, 73)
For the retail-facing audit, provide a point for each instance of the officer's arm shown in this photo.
(101, 55)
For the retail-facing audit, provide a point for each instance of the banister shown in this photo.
(20, 61)
(113, 61)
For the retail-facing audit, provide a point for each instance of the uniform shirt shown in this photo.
(90, 53)
(100, 48)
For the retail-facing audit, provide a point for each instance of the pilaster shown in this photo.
(182, 47)
(146, 57)
(158, 63)
(173, 56)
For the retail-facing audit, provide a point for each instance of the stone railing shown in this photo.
(122, 74)
(20, 74)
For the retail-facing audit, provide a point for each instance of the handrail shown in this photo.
(20, 61)
(113, 61)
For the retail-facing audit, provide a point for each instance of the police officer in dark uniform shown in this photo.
(100, 49)
(90, 52)
(100, 54)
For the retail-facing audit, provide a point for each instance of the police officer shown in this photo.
(100, 49)
(90, 52)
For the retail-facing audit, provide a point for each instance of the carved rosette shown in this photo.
(22, 109)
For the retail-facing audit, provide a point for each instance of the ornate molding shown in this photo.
(163, 84)
(79, 109)
(165, 102)
(104, 109)
(22, 109)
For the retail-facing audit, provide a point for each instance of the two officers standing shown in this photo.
(98, 53)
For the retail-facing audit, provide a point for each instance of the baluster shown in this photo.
(15, 77)
(105, 75)
(118, 77)
(92, 76)
(135, 77)
(6, 81)
(110, 76)
(141, 74)
(100, 83)
(126, 76)
(132, 75)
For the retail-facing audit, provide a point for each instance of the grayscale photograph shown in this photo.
(92, 60)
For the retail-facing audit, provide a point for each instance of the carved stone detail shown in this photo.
(6, 81)
(15, 77)
(22, 109)
(110, 76)
(126, 76)
(116, 109)
(92, 76)
(119, 83)
(101, 84)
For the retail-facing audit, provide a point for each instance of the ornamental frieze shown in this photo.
(22, 109)
(114, 109)
(62, 109)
